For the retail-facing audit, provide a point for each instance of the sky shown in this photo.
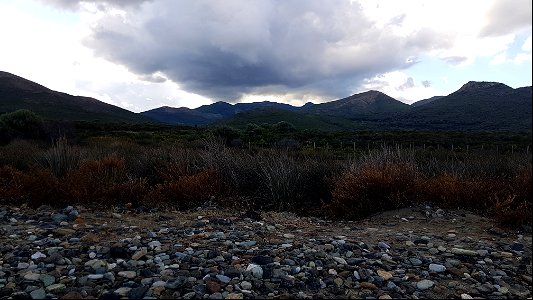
(143, 54)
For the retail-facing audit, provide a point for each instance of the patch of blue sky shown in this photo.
(39, 10)
(448, 78)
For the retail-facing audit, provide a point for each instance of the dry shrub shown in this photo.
(186, 191)
(515, 209)
(454, 192)
(365, 190)
(95, 181)
(19, 154)
(35, 187)
(61, 158)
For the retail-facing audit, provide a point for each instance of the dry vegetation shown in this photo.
(111, 172)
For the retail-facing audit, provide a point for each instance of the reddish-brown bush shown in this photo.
(34, 187)
(95, 181)
(369, 189)
(186, 191)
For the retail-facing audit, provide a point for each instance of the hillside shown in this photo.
(274, 115)
(19, 93)
(425, 101)
(207, 114)
(371, 103)
(486, 106)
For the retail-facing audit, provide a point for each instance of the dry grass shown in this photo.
(108, 173)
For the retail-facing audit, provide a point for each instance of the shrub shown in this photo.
(35, 187)
(95, 181)
(365, 190)
(20, 154)
(23, 123)
(61, 158)
(186, 191)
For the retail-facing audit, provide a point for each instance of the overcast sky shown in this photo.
(142, 54)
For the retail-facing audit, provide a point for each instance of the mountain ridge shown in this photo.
(477, 105)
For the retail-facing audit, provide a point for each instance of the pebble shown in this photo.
(424, 284)
(437, 268)
(38, 294)
(232, 258)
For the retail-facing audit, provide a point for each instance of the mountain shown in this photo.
(425, 101)
(371, 103)
(182, 115)
(19, 93)
(207, 114)
(475, 106)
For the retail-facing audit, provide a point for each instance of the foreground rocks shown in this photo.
(415, 253)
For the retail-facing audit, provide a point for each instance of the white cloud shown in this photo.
(298, 51)
(401, 86)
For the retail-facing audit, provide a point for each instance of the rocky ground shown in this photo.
(213, 253)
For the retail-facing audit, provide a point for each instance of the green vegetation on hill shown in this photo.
(298, 120)
(19, 93)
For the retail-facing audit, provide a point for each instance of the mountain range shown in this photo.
(476, 106)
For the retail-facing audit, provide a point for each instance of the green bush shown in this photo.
(21, 123)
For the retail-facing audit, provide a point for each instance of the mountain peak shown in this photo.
(483, 85)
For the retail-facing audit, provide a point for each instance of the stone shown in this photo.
(383, 246)
(72, 295)
(138, 293)
(459, 251)
(340, 260)
(368, 285)
(47, 279)
(234, 296)
(415, 261)
(95, 276)
(424, 284)
(122, 291)
(127, 274)
(262, 259)
(255, 270)
(38, 294)
(245, 285)
(212, 286)
(55, 288)
(223, 279)
(436, 268)
(384, 274)
(32, 276)
(38, 255)
(139, 254)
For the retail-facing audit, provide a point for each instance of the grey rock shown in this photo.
(437, 268)
(424, 284)
(38, 294)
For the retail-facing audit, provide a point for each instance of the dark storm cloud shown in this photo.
(225, 49)
(507, 16)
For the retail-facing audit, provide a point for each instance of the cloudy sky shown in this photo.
(142, 54)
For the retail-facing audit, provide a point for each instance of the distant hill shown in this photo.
(426, 101)
(371, 103)
(475, 106)
(19, 93)
(207, 114)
